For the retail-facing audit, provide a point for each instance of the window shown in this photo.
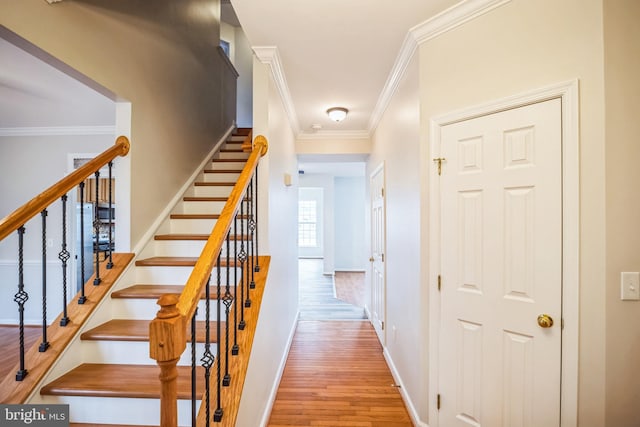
(226, 47)
(307, 224)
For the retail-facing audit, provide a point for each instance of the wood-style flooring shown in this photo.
(317, 295)
(10, 348)
(335, 376)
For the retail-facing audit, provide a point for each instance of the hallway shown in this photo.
(335, 373)
(336, 376)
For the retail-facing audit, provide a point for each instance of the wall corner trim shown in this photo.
(446, 20)
(269, 55)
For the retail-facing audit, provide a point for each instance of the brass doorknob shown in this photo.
(371, 259)
(545, 321)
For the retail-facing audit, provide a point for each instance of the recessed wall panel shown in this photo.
(517, 380)
(470, 152)
(519, 235)
(469, 373)
(470, 241)
(519, 147)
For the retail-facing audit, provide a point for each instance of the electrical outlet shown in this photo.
(630, 286)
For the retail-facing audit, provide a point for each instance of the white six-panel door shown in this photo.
(501, 268)
(378, 278)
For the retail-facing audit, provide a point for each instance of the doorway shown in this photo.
(504, 261)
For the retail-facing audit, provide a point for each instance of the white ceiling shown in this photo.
(334, 52)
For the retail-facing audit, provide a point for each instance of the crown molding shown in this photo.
(333, 134)
(58, 130)
(439, 24)
(269, 55)
(453, 17)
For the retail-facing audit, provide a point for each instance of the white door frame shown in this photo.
(381, 332)
(567, 92)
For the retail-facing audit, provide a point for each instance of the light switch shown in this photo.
(630, 286)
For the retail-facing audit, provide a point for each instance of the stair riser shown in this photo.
(238, 138)
(228, 165)
(145, 309)
(201, 226)
(123, 411)
(233, 155)
(219, 177)
(132, 353)
(185, 248)
(204, 191)
(192, 226)
(172, 275)
(200, 207)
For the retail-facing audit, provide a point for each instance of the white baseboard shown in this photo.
(276, 384)
(405, 397)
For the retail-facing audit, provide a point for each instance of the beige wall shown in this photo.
(622, 100)
(518, 47)
(164, 63)
(396, 143)
(277, 231)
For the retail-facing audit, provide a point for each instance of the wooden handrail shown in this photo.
(20, 216)
(168, 331)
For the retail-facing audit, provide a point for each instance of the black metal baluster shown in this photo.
(217, 415)
(21, 297)
(64, 256)
(227, 300)
(110, 248)
(235, 349)
(207, 358)
(252, 229)
(83, 279)
(257, 267)
(96, 230)
(44, 345)
(193, 370)
(242, 256)
(247, 301)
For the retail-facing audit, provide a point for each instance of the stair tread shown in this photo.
(138, 331)
(222, 171)
(169, 261)
(195, 216)
(111, 380)
(195, 237)
(200, 216)
(231, 150)
(146, 291)
(229, 160)
(214, 184)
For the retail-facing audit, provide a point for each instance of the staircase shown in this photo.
(113, 380)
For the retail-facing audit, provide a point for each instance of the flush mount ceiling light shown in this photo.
(337, 114)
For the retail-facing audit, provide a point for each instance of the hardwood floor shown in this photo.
(9, 348)
(336, 375)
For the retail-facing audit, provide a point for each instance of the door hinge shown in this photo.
(382, 192)
(382, 257)
(439, 282)
(439, 161)
(382, 325)
(438, 402)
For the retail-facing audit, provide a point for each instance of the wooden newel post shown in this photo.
(167, 339)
